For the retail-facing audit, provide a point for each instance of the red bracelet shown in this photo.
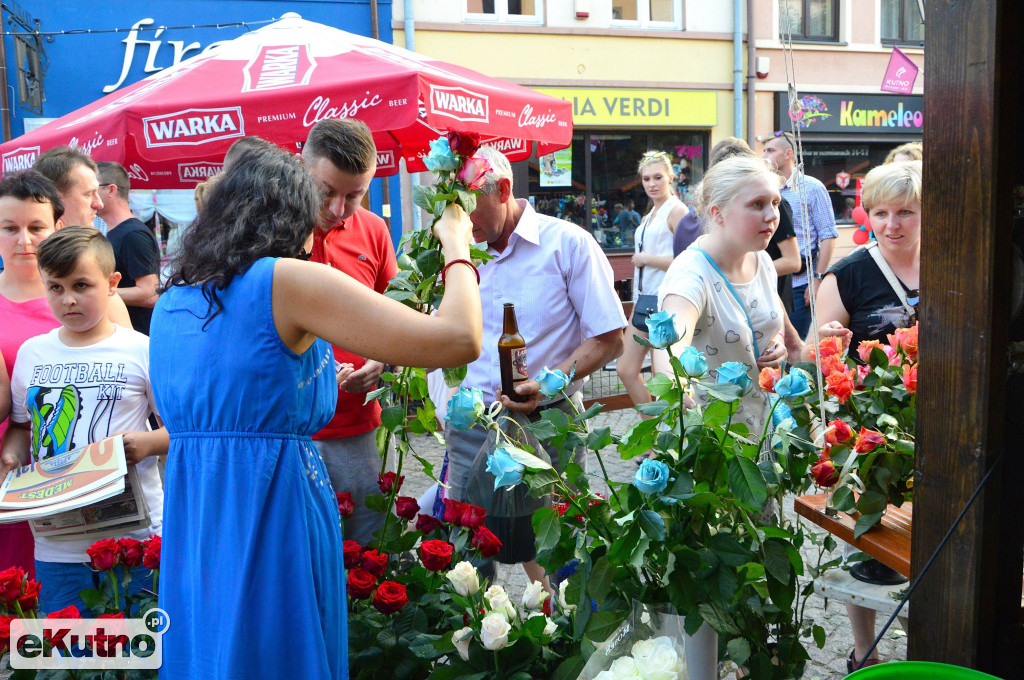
(462, 261)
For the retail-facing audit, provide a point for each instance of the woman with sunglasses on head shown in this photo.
(651, 259)
(868, 295)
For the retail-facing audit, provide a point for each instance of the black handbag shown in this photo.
(644, 307)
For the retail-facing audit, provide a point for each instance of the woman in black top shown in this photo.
(857, 302)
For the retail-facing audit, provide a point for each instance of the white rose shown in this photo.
(549, 627)
(461, 639)
(662, 663)
(494, 631)
(625, 668)
(604, 675)
(498, 602)
(566, 607)
(534, 595)
(465, 579)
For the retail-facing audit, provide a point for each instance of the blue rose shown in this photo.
(652, 477)
(794, 385)
(661, 329)
(551, 382)
(694, 363)
(780, 412)
(506, 470)
(734, 372)
(441, 157)
(465, 408)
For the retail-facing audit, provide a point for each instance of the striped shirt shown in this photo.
(562, 287)
(819, 212)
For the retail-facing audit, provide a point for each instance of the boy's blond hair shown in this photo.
(58, 254)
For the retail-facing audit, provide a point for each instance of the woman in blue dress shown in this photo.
(252, 571)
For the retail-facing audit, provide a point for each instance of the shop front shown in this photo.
(594, 183)
(845, 135)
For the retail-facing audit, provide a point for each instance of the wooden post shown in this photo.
(967, 609)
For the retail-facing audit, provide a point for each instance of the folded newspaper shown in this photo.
(90, 491)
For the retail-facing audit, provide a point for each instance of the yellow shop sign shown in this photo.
(640, 108)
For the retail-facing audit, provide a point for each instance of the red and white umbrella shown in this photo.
(171, 130)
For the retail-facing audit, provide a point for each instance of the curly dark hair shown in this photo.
(265, 205)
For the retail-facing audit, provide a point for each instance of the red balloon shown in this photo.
(860, 216)
(860, 237)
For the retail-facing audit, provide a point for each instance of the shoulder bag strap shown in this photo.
(743, 308)
(897, 287)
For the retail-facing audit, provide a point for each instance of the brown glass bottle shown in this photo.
(512, 355)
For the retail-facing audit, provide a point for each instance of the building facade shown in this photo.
(662, 74)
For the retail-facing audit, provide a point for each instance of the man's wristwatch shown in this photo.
(819, 275)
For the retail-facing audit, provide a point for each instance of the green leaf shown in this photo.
(726, 392)
(682, 487)
(428, 262)
(738, 651)
(392, 417)
(94, 599)
(570, 669)
(747, 483)
(776, 561)
(728, 550)
(594, 409)
(653, 408)
(660, 385)
(843, 499)
(530, 461)
(467, 199)
(819, 636)
(543, 429)
(603, 624)
(546, 528)
(644, 341)
(600, 582)
(541, 482)
(400, 295)
(871, 502)
(370, 396)
(865, 522)
(599, 438)
(423, 196)
(453, 377)
(376, 502)
(652, 524)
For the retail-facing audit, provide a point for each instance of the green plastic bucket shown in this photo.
(918, 670)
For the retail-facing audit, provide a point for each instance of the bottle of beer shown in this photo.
(512, 355)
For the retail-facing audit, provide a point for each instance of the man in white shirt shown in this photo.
(565, 301)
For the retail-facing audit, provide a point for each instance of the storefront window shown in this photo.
(595, 184)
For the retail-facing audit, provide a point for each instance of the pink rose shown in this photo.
(474, 171)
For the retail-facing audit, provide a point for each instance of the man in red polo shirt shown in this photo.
(341, 157)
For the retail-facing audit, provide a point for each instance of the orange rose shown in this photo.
(831, 364)
(910, 377)
(829, 346)
(905, 339)
(867, 440)
(838, 432)
(839, 384)
(864, 349)
(768, 377)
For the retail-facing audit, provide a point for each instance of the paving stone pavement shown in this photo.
(826, 663)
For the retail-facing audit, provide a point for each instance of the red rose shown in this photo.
(29, 599)
(546, 607)
(768, 377)
(103, 554)
(560, 507)
(360, 583)
(10, 584)
(69, 612)
(406, 507)
(485, 541)
(353, 554)
(463, 143)
(114, 637)
(910, 377)
(867, 440)
(373, 562)
(388, 480)
(436, 555)
(428, 523)
(345, 503)
(825, 473)
(5, 633)
(151, 553)
(132, 551)
(390, 597)
(840, 385)
(463, 514)
(838, 432)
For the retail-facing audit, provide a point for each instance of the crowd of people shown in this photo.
(271, 326)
